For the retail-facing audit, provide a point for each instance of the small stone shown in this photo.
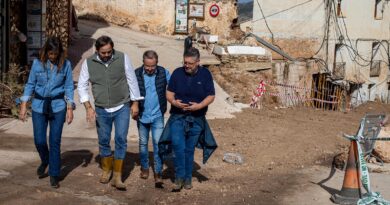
(4, 174)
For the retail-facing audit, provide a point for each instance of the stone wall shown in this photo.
(219, 25)
(246, 62)
(155, 17)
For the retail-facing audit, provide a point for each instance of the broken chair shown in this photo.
(370, 126)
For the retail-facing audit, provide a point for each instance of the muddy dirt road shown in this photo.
(286, 152)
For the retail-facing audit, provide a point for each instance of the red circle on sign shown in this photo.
(214, 10)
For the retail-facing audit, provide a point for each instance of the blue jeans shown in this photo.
(157, 127)
(104, 122)
(185, 134)
(56, 123)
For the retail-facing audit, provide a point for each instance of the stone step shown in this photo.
(209, 60)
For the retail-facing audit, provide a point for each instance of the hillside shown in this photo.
(245, 10)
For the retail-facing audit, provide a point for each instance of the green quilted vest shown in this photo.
(109, 84)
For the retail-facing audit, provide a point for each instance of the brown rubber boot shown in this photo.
(144, 173)
(117, 175)
(106, 163)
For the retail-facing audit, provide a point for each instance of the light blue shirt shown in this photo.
(48, 82)
(151, 104)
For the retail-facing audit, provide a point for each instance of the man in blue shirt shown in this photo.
(152, 81)
(190, 91)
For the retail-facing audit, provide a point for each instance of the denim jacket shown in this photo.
(49, 83)
(206, 139)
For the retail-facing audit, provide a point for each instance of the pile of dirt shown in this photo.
(240, 85)
(274, 142)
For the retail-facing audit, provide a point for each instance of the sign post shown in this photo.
(181, 16)
(214, 10)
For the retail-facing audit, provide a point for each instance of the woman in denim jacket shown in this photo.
(50, 85)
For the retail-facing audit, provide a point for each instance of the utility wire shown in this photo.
(284, 10)
(265, 20)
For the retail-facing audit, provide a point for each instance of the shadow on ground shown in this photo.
(72, 159)
(132, 160)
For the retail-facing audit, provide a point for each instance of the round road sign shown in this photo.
(214, 10)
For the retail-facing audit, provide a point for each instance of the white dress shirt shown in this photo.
(83, 83)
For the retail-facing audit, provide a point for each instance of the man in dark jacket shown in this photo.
(152, 80)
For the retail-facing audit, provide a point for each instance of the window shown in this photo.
(339, 62)
(375, 68)
(378, 13)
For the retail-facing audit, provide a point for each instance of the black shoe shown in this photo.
(159, 185)
(41, 170)
(178, 185)
(54, 182)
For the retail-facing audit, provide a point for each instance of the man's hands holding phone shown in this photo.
(191, 106)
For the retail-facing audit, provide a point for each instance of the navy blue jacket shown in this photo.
(206, 139)
(161, 85)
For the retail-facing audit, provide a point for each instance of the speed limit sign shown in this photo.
(214, 10)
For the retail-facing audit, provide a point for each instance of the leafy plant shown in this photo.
(11, 88)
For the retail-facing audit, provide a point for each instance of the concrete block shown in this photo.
(210, 38)
(257, 66)
(219, 50)
(246, 50)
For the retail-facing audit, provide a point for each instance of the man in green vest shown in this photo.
(115, 91)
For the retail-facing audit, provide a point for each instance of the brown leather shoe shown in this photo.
(187, 184)
(158, 183)
(157, 178)
(179, 183)
(144, 173)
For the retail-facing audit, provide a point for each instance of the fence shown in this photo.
(322, 94)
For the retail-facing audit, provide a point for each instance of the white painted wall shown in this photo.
(287, 20)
